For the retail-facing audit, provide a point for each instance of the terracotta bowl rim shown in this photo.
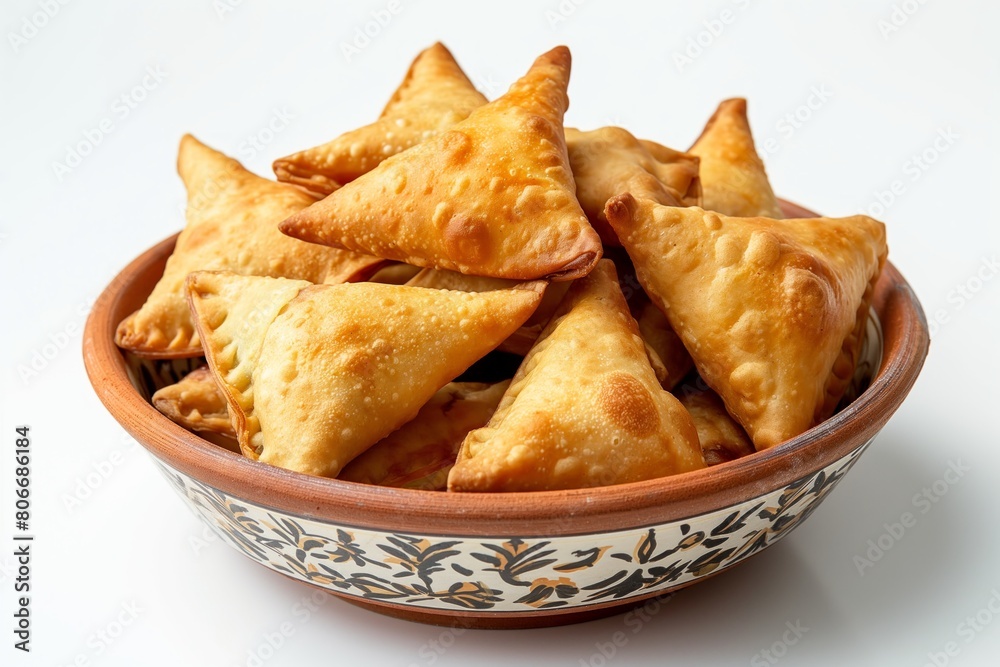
(572, 512)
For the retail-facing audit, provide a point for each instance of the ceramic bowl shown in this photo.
(504, 560)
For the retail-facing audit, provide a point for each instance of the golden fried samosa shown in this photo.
(232, 225)
(316, 374)
(733, 180)
(435, 95)
(419, 454)
(609, 161)
(492, 196)
(584, 409)
(721, 438)
(771, 311)
(521, 340)
(196, 403)
(664, 344)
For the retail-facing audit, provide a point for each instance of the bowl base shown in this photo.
(521, 620)
(491, 621)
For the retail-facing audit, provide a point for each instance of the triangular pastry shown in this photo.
(665, 345)
(232, 225)
(610, 161)
(733, 180)
(521, 340)
(669, 359)
(492, 196)
(584, 409)
(435, 95)
(313, 377)
(722, 438)
(772, 311)
(196, 403)
(667, 354)
(419, 454)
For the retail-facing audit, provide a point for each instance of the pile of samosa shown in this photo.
(337, 305)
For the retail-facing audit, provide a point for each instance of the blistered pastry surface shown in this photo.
(763, 306)
(584, 409)
(232, 225)
(733, 179)
(610, 161)
(435, 95)
(196, 402)
(315, 380)
(492, 196)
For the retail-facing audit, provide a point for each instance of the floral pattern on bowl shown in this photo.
(506, 572)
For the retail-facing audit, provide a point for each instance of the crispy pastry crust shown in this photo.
(733, 180)
(232, 218)
(492, 196)
(521, 340)
(667, 354)
(664, 344)
(196, 403)
(610, 161)
(435, 95)
(770, 310)
(313, 378)
(232, 314)
(722, 438)
(584, 408)
(420, 453)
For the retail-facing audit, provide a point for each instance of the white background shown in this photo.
(889, 96)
